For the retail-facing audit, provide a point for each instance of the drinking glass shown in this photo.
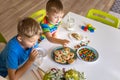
(39, 58)
(70, 23)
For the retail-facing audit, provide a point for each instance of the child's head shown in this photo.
(28, 32)
(54, 10)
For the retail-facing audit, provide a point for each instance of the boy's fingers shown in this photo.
(34, 50)
(34, 53)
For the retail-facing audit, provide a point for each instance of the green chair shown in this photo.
(103, 17)
(38, 15)
(2, 39)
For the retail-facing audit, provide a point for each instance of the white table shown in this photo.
(106, 40)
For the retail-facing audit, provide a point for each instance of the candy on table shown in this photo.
(88, 27)
(82, 43)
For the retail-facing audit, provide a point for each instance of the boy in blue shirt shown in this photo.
(19, 53)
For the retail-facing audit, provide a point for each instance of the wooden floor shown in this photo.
(11, 11)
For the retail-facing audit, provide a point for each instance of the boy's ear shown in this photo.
(19, 38)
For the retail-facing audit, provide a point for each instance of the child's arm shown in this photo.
(56, 40)
(16, 74)
(55, 34)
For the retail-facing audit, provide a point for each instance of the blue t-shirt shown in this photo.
(13, 56)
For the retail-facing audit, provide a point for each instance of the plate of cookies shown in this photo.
(87, 53)
(64, 55)
(75, 36)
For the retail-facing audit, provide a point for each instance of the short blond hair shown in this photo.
(54, 6)
(29, 27)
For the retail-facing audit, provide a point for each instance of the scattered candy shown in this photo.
(82, 43)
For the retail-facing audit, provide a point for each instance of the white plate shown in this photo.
(71, 37)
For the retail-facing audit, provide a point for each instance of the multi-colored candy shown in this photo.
(88, 27)
(87, 54)
(82, 43)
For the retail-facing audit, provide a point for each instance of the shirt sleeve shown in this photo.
(45, 27)
(12, 60)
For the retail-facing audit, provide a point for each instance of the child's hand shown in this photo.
(33, 55)
(64, 42)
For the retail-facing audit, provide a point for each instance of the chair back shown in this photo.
(38, 15)
(103, 17)
(2, 39)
